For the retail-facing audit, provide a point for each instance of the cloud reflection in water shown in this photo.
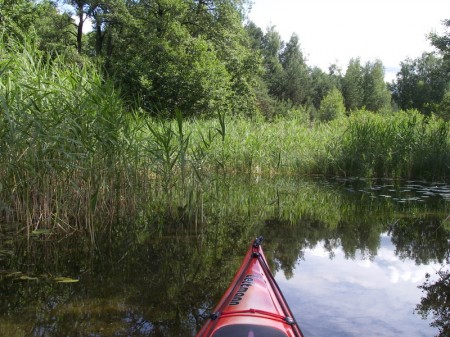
(372, 297)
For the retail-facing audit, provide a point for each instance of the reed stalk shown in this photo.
(73, 159)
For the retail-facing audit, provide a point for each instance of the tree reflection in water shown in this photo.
(138, 281)
(437, 301)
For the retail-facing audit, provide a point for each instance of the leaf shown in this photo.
(14, 274)
(41, 232)
(65, 280)
(27, 278)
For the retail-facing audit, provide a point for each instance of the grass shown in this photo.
(73, 158)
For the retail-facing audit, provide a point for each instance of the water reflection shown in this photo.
(435, 301)
(345, 297)
(423, 240)
(345, 253)
(157, 288)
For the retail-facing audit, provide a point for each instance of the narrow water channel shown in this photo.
(349, 255)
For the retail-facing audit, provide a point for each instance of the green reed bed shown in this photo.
(73, 158)
(267, 148)
(68, 155)
(395, 145)
(398, 145)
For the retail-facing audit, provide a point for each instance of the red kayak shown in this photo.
(253, 305)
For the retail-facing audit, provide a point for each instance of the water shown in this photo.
(343, 297)
(349, 256)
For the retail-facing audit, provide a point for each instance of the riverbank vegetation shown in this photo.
(73, 154)
(161, 98)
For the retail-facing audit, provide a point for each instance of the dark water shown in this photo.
(349, 256)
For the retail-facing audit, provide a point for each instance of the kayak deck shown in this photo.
(253, 305)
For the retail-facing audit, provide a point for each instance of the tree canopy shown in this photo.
(204, 57)
(421, 83)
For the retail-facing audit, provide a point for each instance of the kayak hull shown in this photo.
(253, 304)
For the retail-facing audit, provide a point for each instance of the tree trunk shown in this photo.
(80, 29)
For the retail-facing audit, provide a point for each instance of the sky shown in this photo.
(334, 31)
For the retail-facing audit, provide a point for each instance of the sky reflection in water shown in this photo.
(339, 296)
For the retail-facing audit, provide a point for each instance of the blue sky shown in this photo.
(333, 31)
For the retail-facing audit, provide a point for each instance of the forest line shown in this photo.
(204, 57)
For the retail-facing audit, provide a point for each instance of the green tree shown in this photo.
(435, 301)
(160, 58)
(220, 22)
(443, 108)
(256, 36)
(420, 84)
(376, 92)
(442, 42)
(296, 83)
(321, 84)
(332, 106)
(82, 10)
(108, 18)
(352, 85)
(272, 44)
(39, 22)
(55, 31)
(16, 17)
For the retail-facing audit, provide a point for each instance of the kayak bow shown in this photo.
(253, 304)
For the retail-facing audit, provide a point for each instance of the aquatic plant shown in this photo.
(74, 158)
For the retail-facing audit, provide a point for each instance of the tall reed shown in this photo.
(405, 144)
(67, 156)
(72, 158)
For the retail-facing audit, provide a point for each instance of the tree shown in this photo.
(16, 18)
(420, 84)
(435, 301)
(321, 84)
(332, 106)
(443, 108)
(256, 36)
(376, 93)
(220, 22)
(39, 22)
(272, 44)
(55, 31)
(83, 10)
(296, 83)
(170, 59)
(352, 85)
(442, 43)
(108, 18)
